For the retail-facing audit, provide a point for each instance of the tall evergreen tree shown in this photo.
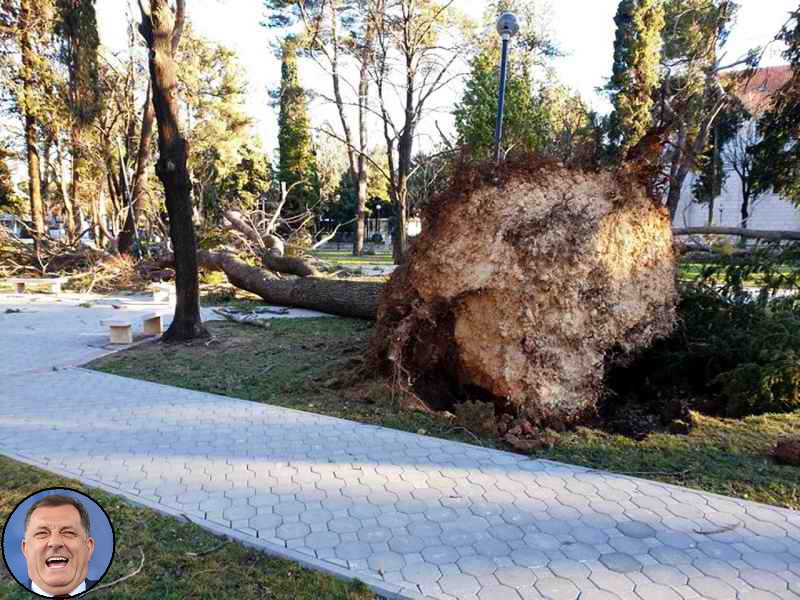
(296, 161)
(77, 28)
(475, 115)
(777, 157)
(635, 71)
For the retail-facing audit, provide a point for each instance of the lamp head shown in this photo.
(507, 25)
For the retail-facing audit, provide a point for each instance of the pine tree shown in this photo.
(635, 71)
(297, 163)
(777, 157)
(77, 28)
(475, 115)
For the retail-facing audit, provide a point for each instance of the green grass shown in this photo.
(296, 362)
(228, 570)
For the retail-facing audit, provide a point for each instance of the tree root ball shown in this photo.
(521, 290)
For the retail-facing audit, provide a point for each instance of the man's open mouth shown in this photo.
(57, 562)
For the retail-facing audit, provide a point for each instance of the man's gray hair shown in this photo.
(59, 500)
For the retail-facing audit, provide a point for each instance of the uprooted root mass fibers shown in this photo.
(519, 292)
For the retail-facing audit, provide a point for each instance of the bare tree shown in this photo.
(161, 27)
(416, 48)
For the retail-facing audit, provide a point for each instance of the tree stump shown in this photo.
(519, 291)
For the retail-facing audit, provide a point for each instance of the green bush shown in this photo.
(736, 350)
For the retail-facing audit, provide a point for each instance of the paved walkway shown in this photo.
(412, 516)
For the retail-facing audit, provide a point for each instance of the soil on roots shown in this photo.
(524, 285)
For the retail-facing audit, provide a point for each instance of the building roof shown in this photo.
(756, 91)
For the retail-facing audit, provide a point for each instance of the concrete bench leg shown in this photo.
(55, 288)
(153, 325)
(20, 288)
(121, 334)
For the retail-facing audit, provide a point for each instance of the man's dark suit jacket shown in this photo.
(89, 584)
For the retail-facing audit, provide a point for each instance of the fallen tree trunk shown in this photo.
(759, 234)
(357, 299)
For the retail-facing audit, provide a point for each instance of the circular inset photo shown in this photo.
(58, 542)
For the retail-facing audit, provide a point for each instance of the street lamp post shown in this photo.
(507, 27)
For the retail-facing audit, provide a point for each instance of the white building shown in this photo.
(768, 211)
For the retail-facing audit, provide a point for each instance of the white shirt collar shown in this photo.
(41, 592)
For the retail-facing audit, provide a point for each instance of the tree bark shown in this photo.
(745, 233)
(126, 236)
(161, 29)
(363, 95)
(344, 298)
(32, 152)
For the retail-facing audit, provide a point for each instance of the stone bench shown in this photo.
(163, 292)
(53, 284)
(122, 329)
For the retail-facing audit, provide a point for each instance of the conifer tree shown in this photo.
(777, 156)
(635, 73)
(296, 161)
(77, 28)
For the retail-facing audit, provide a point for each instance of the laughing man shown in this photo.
(57, 546)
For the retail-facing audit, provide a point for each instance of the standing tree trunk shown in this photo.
(34, 174)
(363, 94)
(125, 242)
(161, 29)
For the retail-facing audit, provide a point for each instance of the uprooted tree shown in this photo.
(519, 292)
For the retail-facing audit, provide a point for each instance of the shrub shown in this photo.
(736, 350)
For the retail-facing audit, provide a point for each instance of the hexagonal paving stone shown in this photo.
(386, 561)
(653, 591)
(374, 535)
(424, 529)
(762, 560)
(557, 588)
(322, 539)
(291, 531)
(411, 507)
(353, 550)
(491, 547)
(611, 581)
(422, 573)
(479, 566)
(665, 575)
(580, 552)
(670, 556)
(715, 568)
(364, 511)
(235, 513)
(406, 544)
(719, 551)
(440, 555)
(621, 563)
(569, 569)
(627, 545)
(589, 535)
(459, 585)
(506, 532)
(266, 521)
(289, 508)
(763, 580)
(541, 541)
(712, 588)
(675, 539)
(498, 592)
(528, 557)
(636, 529)
(515, 577)
(344, 525)
(316, 516)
